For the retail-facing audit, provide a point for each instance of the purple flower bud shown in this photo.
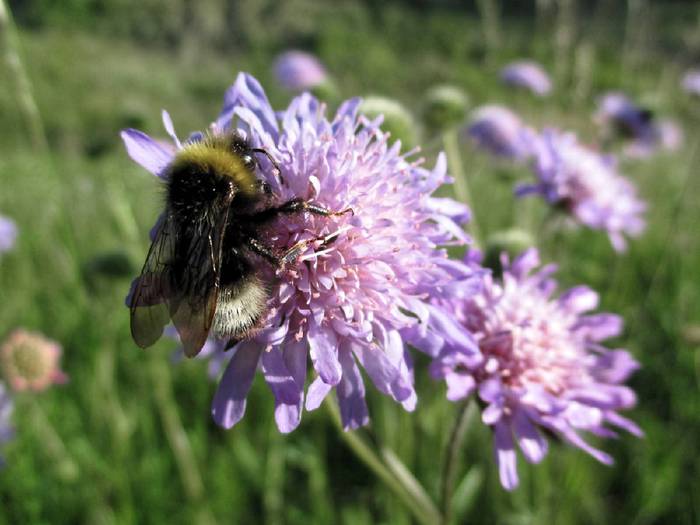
(691, 82)
(8, 234)
(299, 71)
(499, 131)
(528, 75)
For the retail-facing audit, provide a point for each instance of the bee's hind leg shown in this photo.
(300, 205)
(275, 258)
(281, 260)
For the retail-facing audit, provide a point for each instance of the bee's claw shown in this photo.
(343, 212)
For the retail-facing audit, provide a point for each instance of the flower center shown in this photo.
(27, 361)
(528, 340)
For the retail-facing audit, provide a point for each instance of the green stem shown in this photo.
(461, 184)
(451, 459)
(404, 489)
(489, 12)
(27, 104)
(177, 437)
(52, 443)
(273, 495)
(409, 482)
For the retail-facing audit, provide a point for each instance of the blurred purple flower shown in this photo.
(586, 185)
(543, 364)
(691, 82)
(8, 234)
(645, 134)
(499, 131)
(359, 298)
(670, 134)
(6, 407)
(528, 75)
(299, 71)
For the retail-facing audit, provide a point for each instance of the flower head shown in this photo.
(8, 234)
(351, 301)
(543, 364)
(691, 82)
(499, 131)
(644, 133)
(587, 186)
(299, 71)
(528, 75)
(30, 361)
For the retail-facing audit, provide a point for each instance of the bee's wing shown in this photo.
(193, 306)
(152, 290)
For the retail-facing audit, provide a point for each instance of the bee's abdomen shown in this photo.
(240, 308)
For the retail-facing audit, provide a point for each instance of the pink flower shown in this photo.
(586, 185)
(352, 302)
(543, 366)
(30, 361)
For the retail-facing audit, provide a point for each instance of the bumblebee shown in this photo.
(201, 271)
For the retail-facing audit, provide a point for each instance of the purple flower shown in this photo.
(586, 185)
(499, 131)
(528, 75)
(299, 71)
(355, 301)
(645, 134)
(6, 407)
(8, 234)
(691, 82)
(543, 368)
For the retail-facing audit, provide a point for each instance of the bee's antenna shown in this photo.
(272, 161)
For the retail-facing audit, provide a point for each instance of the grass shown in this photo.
(114, 422)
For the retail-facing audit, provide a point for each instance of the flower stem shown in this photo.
(404, 486)
(27, 104)
(177, 437)
(451, 459)
(66, 466)
(461, 184)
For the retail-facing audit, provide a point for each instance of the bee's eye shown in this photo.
(248, 161)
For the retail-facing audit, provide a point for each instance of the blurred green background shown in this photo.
(108, 447)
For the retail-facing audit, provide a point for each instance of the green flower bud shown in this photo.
(397, 119)
(512, 242)
(445, 106)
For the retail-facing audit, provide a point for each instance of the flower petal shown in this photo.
(247, 92)
(351, 394)
(531, 442)
(317, 392)
(229, 402)
(323, 348)
(170, 128)
(288, 393)
(505, 456)
(152, 154)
